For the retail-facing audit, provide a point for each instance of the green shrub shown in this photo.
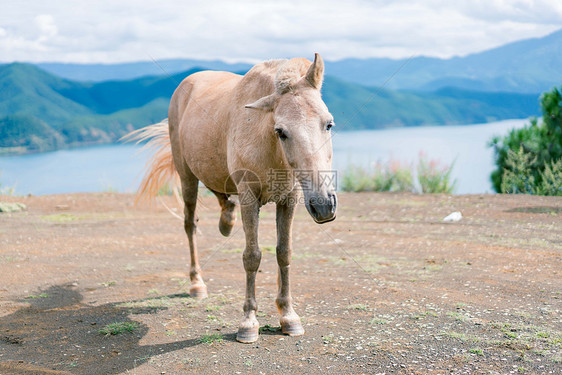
(551, 179)
(401, 177)
(434, 177)
(381, 179)
(356, 179)
(6, 190)
(517, 175)
(397, 177)
(538, 145)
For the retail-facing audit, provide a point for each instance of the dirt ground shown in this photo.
(386, 288)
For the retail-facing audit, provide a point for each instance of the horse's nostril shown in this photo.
(313, 211)
(333, 202)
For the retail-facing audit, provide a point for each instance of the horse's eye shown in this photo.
(330, 124)
(281, 134)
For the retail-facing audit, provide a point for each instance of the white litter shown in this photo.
(455, 216)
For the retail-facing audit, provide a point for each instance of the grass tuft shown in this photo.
(378, 321)
(213, 338)
(269, 328)
(33, 296)
(118, 328)
(358, 306)
(476, 351)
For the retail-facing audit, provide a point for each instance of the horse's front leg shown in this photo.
(249, 327)
(290, 321)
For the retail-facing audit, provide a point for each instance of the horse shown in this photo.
(264, 136)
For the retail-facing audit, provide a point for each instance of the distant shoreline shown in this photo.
(6, 151)
(21, 150)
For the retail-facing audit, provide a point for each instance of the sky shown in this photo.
(252, 30)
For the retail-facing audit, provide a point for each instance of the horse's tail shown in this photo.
(160, 170)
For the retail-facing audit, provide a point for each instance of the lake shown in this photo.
(120, 167)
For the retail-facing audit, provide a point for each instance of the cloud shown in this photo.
(521, 11)
(47, 27)
(107, 31)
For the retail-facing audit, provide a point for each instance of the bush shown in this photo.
(551, 179)
(517, 176)
(397, 177)
(401, 177)
(539, 146)
(356, 179)
(6, 190)
(433, 177)
(382, 179)
(391, 177)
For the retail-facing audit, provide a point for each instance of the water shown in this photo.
(90, 169)
(120, 167)
(465, 146)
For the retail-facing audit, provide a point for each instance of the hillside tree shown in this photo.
(529, 160)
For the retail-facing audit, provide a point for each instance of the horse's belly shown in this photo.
(204, 151)
(212, 175)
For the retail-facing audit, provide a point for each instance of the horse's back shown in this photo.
(203, 89)
(198, 121)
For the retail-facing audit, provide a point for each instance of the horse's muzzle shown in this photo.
(321, 208)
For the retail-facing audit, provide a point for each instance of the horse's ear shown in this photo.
(266, 103)
(315, 74)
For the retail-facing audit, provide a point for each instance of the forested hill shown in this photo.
(525, 66)
(40, 111)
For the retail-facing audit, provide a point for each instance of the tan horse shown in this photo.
(260, 136)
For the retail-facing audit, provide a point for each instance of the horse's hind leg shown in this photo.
(189, 184)
(228, 215)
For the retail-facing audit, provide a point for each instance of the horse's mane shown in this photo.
(289, 73)
(279, 74)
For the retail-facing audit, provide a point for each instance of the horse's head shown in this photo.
(302, 125)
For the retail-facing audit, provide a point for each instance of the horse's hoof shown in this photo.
(292, 328)
(225, 227)
(228, 218)
(247, 335)
(198, 291)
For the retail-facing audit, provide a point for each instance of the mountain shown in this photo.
(526, 66)
(26, 88)
(40, 111)
(362, 107)
(127, 71)
(111, 96)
